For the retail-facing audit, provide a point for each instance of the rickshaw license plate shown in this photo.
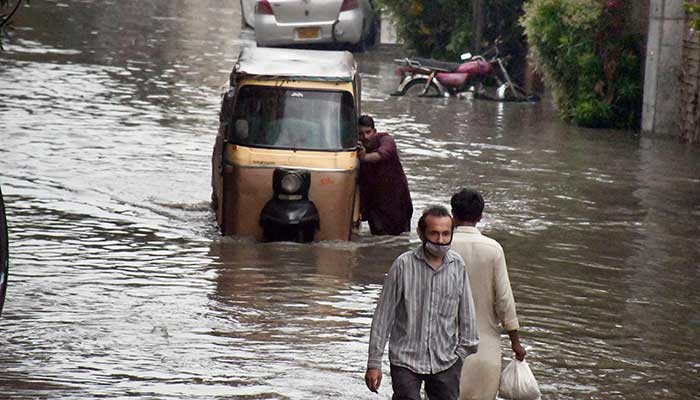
(308, 33)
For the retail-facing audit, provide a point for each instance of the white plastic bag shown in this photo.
(518, 382)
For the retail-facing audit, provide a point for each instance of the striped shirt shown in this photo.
(427, 315)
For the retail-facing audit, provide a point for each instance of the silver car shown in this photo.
(296, 22)
(248, 13)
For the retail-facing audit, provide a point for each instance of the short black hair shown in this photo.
(433, 211)
(366, 120)
(467, 205)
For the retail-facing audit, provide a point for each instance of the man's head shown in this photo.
(435, 226)
(467, 206)
(366, 129)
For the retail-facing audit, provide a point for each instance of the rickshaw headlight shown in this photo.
(291, 183)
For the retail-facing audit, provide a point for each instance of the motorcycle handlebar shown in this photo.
(494, 52)
(408, 61)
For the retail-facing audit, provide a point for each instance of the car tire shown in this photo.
(361, 45)
(372, 35)
(243, 23)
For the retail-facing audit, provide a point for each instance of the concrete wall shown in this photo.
(661, 110)
(387, 30)
(690, 89)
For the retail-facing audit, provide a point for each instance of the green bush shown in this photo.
(592, 112)
(443, 28)
(591, 65)
(692, 8)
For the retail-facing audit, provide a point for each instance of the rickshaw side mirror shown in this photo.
(241, 129)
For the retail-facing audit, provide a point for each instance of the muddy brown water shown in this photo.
(120, 286)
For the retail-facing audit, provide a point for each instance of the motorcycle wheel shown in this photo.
(512, 92)
(415, 89)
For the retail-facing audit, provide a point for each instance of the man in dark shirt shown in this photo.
(427, 313)
(385, 201)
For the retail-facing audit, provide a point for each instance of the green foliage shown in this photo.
(592, 112)
(428, 26)
(693, 10)
(444, 28)
(592, 67)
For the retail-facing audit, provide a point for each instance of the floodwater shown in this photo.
(120, 286)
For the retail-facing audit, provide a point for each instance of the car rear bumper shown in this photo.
(348, 29)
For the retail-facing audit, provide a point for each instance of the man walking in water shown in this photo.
(385, 201)
(426, 311)
(493, 298)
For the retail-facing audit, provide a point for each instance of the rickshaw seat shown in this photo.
(296, 132)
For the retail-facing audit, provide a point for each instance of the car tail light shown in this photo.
(263, 7)
(349, 5)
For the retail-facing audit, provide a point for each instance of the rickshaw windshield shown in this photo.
(291, 118)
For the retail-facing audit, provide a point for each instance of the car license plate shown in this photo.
(308, 33)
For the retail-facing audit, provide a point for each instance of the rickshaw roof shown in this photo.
(315, 65)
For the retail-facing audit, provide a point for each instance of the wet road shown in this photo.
(121, 287)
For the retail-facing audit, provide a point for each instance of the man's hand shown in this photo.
(361, 151)
(373, 378)
(519, 351)
(515, 345)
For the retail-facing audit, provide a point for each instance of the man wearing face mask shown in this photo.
(427, 313)
(385, 201)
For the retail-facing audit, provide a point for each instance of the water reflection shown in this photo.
(121, 286)
(309, 295)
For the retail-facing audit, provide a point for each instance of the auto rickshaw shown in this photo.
(284, 166)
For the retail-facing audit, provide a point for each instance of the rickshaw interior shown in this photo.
(291, 118)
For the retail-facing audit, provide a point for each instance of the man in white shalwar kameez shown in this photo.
(493, 298)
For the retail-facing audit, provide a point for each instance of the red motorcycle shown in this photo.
(432, 78)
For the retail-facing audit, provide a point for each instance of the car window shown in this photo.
(275, 117)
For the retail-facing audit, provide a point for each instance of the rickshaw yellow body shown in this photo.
(243, 183)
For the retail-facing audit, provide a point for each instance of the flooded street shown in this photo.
(121, 287)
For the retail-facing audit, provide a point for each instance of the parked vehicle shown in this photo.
(4, 253)
(284, 165)
(248, 13)
(428, 77)
(297, 22)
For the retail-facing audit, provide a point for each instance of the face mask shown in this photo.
(435, 249)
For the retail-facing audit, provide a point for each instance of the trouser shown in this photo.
(440, 386)
(376, 224)
(379, 226)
